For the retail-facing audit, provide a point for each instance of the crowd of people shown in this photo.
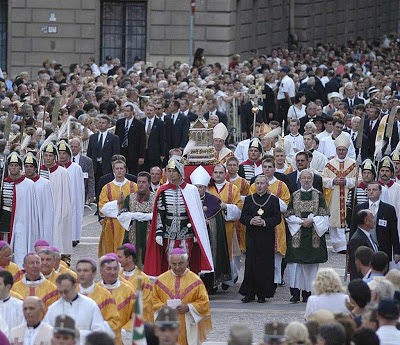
(303, 143)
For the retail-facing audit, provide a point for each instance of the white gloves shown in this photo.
(159, 240)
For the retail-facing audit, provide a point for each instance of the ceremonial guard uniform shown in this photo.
(77, 190)
(62, 197)
(177, 222)
(343, 169)
(252, 167)
(306, 247)
(18, 224)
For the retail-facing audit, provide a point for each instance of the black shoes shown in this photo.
(75, 243)
(224, 287)
(295, 295)
(305, 295)
(247, 299)
(261, 300)
(213, 290)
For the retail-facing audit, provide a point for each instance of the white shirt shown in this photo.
(104, 137)
(76, 158)
(175, 116)
(296, 140)
(296, 113)
(128, 122)
(83, 310)
(366, 233)
(11, 311)
(287, 85)
(31, 334)
(149, 121)
(334, 302)
(388, 335)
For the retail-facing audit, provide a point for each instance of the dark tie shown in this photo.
(298, 184)
(353, 136)
(73, 159)
(125, 141)
(351, 103)
(148, 131)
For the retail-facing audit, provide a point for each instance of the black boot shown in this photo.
(305, 295)
(295, 295)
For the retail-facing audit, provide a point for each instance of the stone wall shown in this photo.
(30, 42)
(221, 27)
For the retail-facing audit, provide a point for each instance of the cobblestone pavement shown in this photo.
(226, 306)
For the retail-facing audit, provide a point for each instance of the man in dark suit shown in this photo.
(385, 233)
(102, 146)
(319, 87)
(132, 138)
(247, 117)
(355, 124)
(351, 99)
(311, 114)
(155, 139)
(212, 109)
(302, 162)
(371, 128)
(159, 110)
(333, 85)
(184, 109)
(365, 221)
(180, 127)
(87, 168)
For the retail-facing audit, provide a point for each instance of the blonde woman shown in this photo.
(328, 293)
(297, 334)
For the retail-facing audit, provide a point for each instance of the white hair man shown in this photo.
(190, 296)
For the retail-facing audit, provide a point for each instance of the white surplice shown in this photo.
(44, 210)
(83, 310)
(61, 189)
(11, 311)
(78, 198)
(24, 225)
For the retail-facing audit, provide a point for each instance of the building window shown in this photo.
(3, 34)
(123, 30)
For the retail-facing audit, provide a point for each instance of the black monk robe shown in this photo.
(260, 245)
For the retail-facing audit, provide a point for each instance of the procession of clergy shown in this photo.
(271, 200)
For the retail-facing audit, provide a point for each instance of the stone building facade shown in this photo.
(71, 31)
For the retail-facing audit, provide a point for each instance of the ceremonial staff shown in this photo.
(359, 140)
(389, 130)
(257, 95)
(7, 131)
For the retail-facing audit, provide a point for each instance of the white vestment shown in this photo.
(242, 150)
(24, 226)
(392, 197)
(41, 335)
(44, 210)
(61, 189)
(11, 311)
(83, 310)
(78, 198)
(318, 161)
